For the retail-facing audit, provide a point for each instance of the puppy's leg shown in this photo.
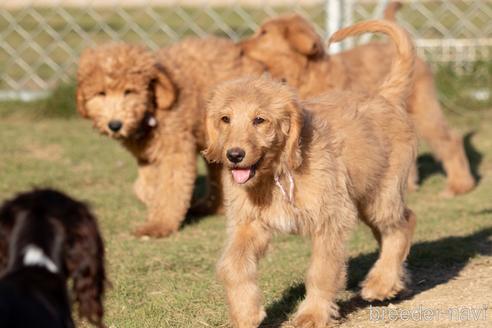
(413, 178)
(327, 271)
(325, 277)
(387, 276)
(237, 269)
(431, 125)
(392, 224)
(212, 203)
(146, 183)
(175, 179)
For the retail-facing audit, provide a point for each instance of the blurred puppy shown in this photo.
(47, 238)
(154, 105)
(292, 50)
(313, 168)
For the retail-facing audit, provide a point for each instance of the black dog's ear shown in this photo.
(8, 213)
(4, 247)
(84, 261)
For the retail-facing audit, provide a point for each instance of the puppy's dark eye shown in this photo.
(129, 92)
(225, 119)
(101, 93)
(263, 32)
(258, 120)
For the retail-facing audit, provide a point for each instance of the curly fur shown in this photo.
(290, 48)
(130, 84)
(345, 155)
(68, 233)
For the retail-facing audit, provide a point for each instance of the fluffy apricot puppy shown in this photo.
(291, 50)
(312, 168)
(153, 104)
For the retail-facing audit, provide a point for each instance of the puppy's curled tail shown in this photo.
(391, 9)
(397, 85)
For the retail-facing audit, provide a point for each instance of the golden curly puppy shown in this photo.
(312, 168)
(154, 105)
(292, 50)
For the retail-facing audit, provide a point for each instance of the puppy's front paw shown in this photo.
(154, 229)
(380, 286)
(315, 316)
(458, 188)
(250, 321)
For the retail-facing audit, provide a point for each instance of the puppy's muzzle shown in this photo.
(115, 125)
(235, 155)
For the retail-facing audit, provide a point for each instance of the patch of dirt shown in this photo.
(465, 301)
(50, 152)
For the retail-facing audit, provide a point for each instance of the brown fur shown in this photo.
(391, 10)
(130, 84)
(276, 44)
(348, 154)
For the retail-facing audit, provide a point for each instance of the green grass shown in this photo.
(58, 104)
(458, 86)
(171, 282)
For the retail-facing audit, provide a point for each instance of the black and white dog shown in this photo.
(47, 238)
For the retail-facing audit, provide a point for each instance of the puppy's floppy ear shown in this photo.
(303, 38)
(213, 151)
(85, 69)
(164, 90)
(81, 102)
(85, 264)
(292, 128)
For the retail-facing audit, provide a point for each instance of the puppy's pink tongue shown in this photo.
(241, 175)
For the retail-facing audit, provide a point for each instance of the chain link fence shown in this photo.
(40, 40)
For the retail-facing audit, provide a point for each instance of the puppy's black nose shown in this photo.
(235, 155)
(115, 125)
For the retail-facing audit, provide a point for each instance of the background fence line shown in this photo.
(40, 41)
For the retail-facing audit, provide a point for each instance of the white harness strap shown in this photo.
(34, 256)
(290, 196)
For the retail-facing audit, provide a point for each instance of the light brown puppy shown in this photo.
(312, 168)
(154, 105)
(292, 51)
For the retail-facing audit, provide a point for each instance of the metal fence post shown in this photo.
(348, 19)
(334, 21)
(377, 14)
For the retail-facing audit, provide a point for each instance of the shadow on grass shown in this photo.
(204, 202)
(431, 263)
(474, 156)
(428, 166)
(485, 211)
(195, 214)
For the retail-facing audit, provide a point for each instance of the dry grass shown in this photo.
(171, 283)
